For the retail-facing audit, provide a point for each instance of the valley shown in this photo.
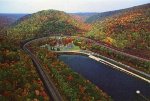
(49, 55)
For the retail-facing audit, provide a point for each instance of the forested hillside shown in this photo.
(100, 16)
(4, 21)
(46, 22)
(7, 19)
(122, 35)
(128, 30)
(103, 15)
(12, 16)
(83, 16)
(19, 79)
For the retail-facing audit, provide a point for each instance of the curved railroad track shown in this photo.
(49, 86)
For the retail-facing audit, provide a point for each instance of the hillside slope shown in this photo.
(103, 15)
(8, 19)
(45, 22)
(128, 31)
(83, 16)
(4, 22)
(100, 16)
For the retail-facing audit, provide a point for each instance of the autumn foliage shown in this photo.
(18, 78)
(128, 30)
(71, 85)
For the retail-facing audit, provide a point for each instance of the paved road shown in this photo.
(140, 72)
(49, 86)
(45, 78)
(123, 53)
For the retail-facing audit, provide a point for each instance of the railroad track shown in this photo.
(49, 85)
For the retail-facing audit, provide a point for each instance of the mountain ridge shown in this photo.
(128, 30)
(45, 22)
(103, 15)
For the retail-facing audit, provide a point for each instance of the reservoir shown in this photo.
(119, 85)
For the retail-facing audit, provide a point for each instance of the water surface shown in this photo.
(119, 85)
